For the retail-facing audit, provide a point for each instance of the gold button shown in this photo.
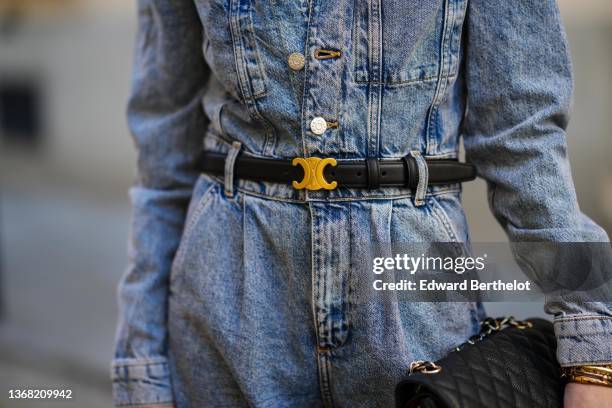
(318, 125)
(296, 61)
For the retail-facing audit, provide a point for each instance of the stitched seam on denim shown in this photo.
(569, 319)
(234, 23)
(197, 212)
(586, 362)
(313, 279)
(322, 379)
(306, 82)
(238, 46)
(324, 281)
(455, 43)
(337, 87)
(195, 217)
(317, 289)
(135, 364)
(339, 327)
(442, 221)
(398, 83)
(443, 218)
(350, 288)
(244, 78)
(394, 84)
(123, 381)
(375, 66)
(571, 332)
(212, 133)
(246, 85)
(262, 72)
(326, 390)
(447, 155)
(604, 334)
(270, 142)
(126, 374)
(316, 295)
(329, 378)
(431, 142)
(351, 199)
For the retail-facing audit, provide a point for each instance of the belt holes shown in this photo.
(384, 173)
(358, 174)
(323, 54)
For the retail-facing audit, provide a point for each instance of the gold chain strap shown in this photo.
(487, 326)
(491, 325)
(425, 367)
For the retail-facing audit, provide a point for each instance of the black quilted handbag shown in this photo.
(510, 364)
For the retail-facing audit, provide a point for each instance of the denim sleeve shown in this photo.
(519, 87)
(167, 122)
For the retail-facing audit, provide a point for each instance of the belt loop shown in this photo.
(421, 188)
(373, 173)
(230, 163)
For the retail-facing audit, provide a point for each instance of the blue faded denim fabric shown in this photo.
(241, 295)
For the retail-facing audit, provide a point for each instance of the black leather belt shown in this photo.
(315, 173)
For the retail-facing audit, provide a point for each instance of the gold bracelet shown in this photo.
(589, 374)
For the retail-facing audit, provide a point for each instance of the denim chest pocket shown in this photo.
(249, 67)
(404, 42)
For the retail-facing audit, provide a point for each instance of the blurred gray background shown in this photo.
(66, 162)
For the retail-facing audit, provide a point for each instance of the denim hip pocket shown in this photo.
(203, 192)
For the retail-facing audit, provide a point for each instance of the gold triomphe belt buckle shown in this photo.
(313, 173)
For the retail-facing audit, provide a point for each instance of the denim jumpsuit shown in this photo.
(240, 293)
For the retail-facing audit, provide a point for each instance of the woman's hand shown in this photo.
(587, 396)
